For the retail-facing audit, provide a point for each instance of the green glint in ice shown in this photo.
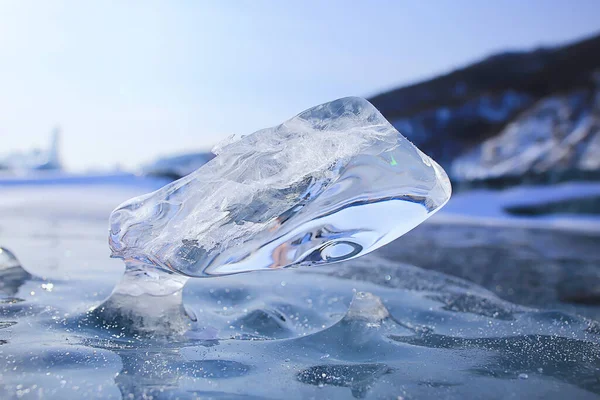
(393, 162)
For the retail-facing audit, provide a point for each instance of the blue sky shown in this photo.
(131, 80)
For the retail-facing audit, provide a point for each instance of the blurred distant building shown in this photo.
(36, 159)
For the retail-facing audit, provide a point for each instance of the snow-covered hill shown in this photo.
(530, 116)
(555, 136)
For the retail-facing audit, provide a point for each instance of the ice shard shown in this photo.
(12, 274)
(335, 182)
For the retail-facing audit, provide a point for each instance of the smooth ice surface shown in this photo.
(298, 333)
(333, 183)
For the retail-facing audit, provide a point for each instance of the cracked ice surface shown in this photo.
(335, 182)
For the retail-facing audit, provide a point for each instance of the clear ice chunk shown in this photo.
(334, 182)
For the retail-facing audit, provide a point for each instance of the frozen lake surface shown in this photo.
(409, 332)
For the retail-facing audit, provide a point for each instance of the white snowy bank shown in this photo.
(488, 207)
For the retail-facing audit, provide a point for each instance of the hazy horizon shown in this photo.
(133, 81)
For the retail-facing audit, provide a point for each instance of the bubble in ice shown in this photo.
(335, 182)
